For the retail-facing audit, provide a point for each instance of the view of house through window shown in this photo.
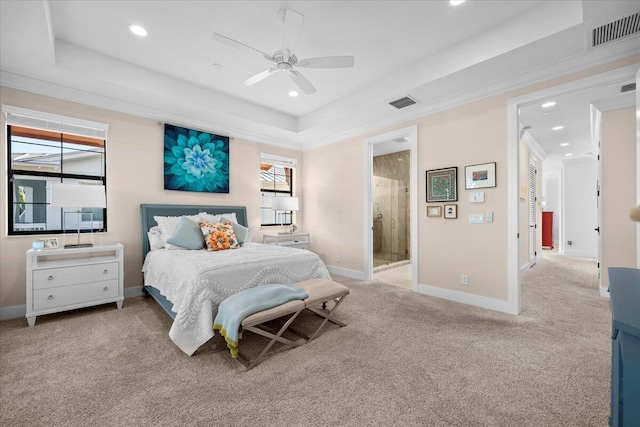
(39, 158)
(276, 180)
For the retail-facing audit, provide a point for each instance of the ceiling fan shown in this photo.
(285, 59)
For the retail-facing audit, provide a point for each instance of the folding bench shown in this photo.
(319, 291)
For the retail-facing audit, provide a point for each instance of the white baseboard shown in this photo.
(604, 292)
(354, 274)
(13, 312)
(524, 269)
(465, 298)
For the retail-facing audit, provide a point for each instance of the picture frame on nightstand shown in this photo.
(49, 243)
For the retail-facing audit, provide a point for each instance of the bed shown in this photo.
(190, 284)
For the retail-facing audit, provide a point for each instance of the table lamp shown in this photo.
(78, 196)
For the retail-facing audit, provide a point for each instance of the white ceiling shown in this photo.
(437, 53)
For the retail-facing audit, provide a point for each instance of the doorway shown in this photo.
(391, 207)
(391, 213)
(599, 84)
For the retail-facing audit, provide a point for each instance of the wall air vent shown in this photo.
(628, 88)
(403, 102)
(616, 30)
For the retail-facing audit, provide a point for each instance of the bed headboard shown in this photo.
(149, 211)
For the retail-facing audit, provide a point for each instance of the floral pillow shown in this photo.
(219, 236)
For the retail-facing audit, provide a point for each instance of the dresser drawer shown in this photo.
(64, 276)
(45, 299)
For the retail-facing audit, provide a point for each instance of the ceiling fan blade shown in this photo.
(327, 62)
(291, 29)
(236, 44)
(302, 82)
(259, 77)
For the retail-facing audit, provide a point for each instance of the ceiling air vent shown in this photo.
(616, 30)
(403, 102)
(628, 88)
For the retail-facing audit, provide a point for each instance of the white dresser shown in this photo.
(292, 240)
(66, 279)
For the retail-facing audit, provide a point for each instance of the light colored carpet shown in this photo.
(404, 359)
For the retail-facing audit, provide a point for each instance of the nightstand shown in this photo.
(292, 240)
(66, 279)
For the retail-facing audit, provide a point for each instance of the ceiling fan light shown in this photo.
(293, 93)
(138, 30)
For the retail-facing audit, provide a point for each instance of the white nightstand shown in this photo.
(65, 279)
(292, 240)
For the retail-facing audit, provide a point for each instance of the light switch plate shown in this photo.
(489, 216)
(476, 219)
(477, 197)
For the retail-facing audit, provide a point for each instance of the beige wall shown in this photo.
(134, 176)
(618, 156)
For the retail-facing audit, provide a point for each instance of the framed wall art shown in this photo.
(480, 176)
(451, 211)
(195, 160)
(442, 185)
(434, 210)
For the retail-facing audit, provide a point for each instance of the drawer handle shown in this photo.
(50, 278)
(105, 271)
(50, 297)
(105, 289)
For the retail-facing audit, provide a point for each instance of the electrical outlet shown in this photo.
(339, 259)
(464, 279)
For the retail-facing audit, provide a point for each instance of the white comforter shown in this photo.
(196, 282)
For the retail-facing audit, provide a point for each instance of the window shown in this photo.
(276, 180)
(38, 158)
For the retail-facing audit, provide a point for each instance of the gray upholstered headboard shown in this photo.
(149, 211)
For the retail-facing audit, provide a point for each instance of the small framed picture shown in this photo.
(480, 176)
(434, 210)
(49, 243)
(442, 185)
(451, 211)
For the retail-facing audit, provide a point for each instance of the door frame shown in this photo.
(513, 137)
(411, 133)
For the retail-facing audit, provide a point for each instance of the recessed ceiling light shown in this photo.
(455, 2)
(293, 93)
(557, 128)
(568, 154)
(138, 30)
(549, 104)
(564, 144)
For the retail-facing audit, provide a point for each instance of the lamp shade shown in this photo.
(284, 203)
(81, 196)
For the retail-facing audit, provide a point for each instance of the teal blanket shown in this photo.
(234, 309)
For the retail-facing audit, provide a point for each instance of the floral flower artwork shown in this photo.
(195, 161)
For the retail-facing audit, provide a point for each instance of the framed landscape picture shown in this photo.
(480, 176)
(442, 185)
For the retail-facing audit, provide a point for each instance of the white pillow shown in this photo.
(155, 241)
(206, 217)
(168, 225)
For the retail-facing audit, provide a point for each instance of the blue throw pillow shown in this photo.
(187, 235)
